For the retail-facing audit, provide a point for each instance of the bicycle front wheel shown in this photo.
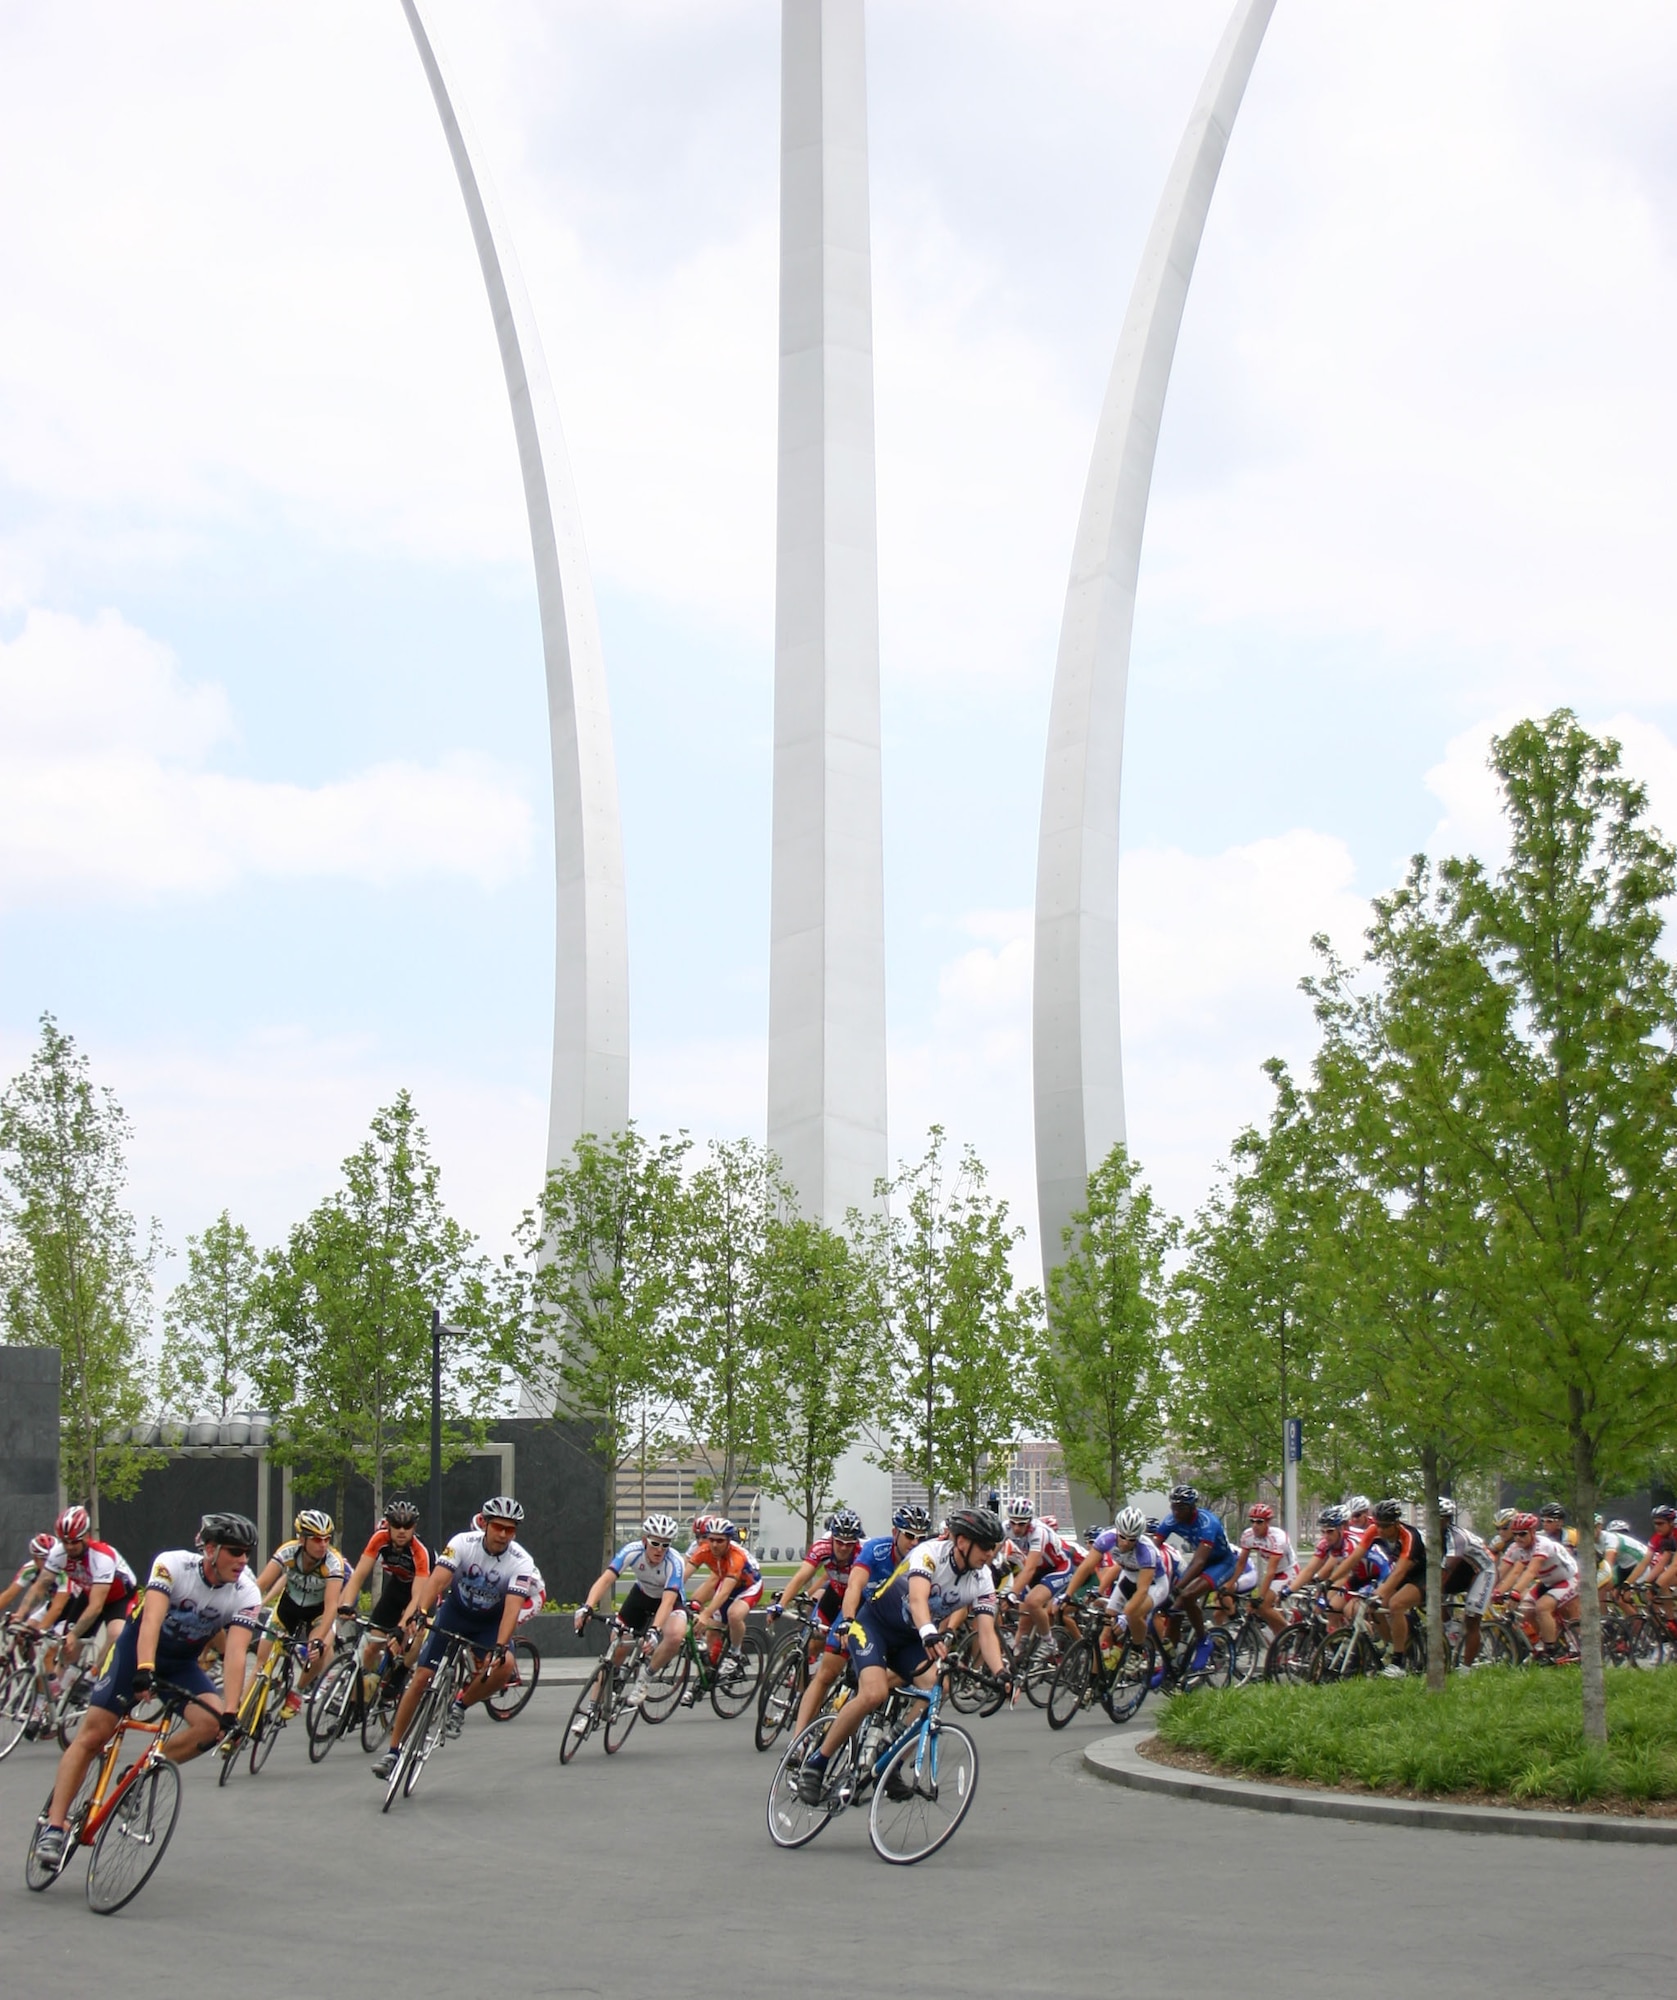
(923, 1794)
(511, 1700)
(621, 1714)
(583, 1716)
(783, 1687)
(735, 1687)
(17, 1697)
(132, 1840)
(1249, 1650)
(265, 1733)
(1070, 1689)
(331, 1710)
(379, 1716)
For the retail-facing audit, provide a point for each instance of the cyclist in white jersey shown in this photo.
(1467, 1565)
(653, 1605)
(1544, 1578)
(1045, 1569)
(1146, 1573)
(1268, 1563)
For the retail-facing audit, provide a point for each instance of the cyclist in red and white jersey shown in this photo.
(1545, 1580)
(835, 1556)
(39, 1549)
(1045, 1569)
(1268, 1562)
(1658, 1567)
(90, 1584)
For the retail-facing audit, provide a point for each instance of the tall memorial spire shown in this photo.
(827, 918)
(1077, 1058)
(590, 1076)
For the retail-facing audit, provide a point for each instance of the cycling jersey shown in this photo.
(308, 1586)
(824, 1554)
(1259, 1544)
(1462, 1545)
(737, 1561)
(1205, 1528)
(1662, 1546)
(27, 1575)
(482, 1582)
(1041, 1540)
(652, 1574)
(1558, 1566)
(98, 1563)
(1146, 1555)
(1623, 1552)
(974, 1589)
(1402, 1544)
(406, 1564)
(199, 1609)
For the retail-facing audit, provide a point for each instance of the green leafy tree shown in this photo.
(823, 1360)
(587, 1330)
(75, 1269)
(719, 1325)
(963, 1330)
(1537, 1014)
(348, 1371)
(215, 1324)
(1103, 1370)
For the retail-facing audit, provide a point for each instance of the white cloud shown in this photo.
(103, 789)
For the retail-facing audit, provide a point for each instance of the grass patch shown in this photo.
(1501, 1732)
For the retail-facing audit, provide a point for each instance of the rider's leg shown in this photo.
(675, 1630)
(98, 1726)
(876, 1684)
(829, 1668)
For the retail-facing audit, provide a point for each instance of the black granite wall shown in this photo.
(29, 1379)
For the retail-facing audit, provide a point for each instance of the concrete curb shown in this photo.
(1118, 1760)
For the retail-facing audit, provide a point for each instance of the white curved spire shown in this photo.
(1078, 1061)
(590, 1083)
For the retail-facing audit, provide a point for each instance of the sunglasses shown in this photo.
(652, 1544)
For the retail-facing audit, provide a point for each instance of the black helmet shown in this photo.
(846, 1524)
(912, 1519)
(978, 1524)
(229, 1531)
(1388, 1511)
(1184, 1496)
(1551, 1510)
(401, 1514)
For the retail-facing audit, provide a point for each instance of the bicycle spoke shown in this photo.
(133, 1838)
(923, 1794)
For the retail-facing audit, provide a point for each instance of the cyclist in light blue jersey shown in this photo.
(654, 1570)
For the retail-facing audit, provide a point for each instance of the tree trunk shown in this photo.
(1589, 1602)
(1437, 1658)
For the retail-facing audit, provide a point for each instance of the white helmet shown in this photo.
(1131, 1523)
(1019, 1508)
(660, 1528)
(1359, 1503)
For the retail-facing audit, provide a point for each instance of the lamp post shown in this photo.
(436, 1432)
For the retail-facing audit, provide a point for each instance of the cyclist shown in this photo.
(1544, 1578)
(304, 1580)
(1045, 1570)
(483, 1580)
(734, 1585)
(1551, 1521)
(1268, 1559)
(1404, 1583)
(653, 1605)
(189, 1597)
(835, 1553)
(1212, 1563)
(1144, 1571)
(89, 1584)
(875, 1560)
(1468, 1567)
(1330, 1547)
(396, 1545)
(1658, 1566)
(1620, 1553)
(894, 1636)
(40, 1547)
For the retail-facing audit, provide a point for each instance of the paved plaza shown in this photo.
(651, 1873)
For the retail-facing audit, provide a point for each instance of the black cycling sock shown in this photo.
(816, 1761)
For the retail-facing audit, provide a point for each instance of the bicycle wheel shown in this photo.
(17, 1697)
(425, 1737)
(1294, 1656)
(265, 1731)
(511, 1700)
(792, 1823)
(621, 1713)
(1070, 1689)
(331, 1709)
(1044, 1664)
(1217, 1668)
(584, 1715)
(1249, 1650)
(735, 1687)
(133, 1839)
(936, 1774)
(665, 1686)
(784, 1680)
(966, 1691)
(379, 1716)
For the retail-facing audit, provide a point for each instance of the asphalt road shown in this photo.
(650, 1873)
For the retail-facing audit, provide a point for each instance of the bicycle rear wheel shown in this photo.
(1070, 1689)
(735, 1687)
(331, 1710)
(511, 1700)
(621, 1713)
(17, 1697)
(379, 1717)
(1129, 1681)
(265, 1732)
(784, 1680)
(133, 1839)
(936, 1770)
(792, 1823)
(665, 1686)
(1249, 1650)
(1295, 1656)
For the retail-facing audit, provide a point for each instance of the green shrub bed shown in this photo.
(1502, 1733)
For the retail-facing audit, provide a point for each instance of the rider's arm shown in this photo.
(329, 1608)
(356, 1582)
(426, 1591)
(1196, 1562)
(152, 1614)
(511, 1608)
(800, 1576)
(273, 1573)
(602, 1586)
(666, 1604)
(1034, 1560)
(236, 1645)
(920, 1614)
(95, 1611)
(1084, 1570)
(55, 1610)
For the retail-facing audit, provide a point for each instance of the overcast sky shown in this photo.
(274, 804)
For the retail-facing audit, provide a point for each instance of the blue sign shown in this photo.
(1295, 1440)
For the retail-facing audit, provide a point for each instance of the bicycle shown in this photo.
(261, 1713)
(1115, 1675)
(695, 1672)
(428, 1731)
(126, 1818)
(514, 1698)
(340, 1700)
(919, 1774)
(787, 1674)
(603, 1702)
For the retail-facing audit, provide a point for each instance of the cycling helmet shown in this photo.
(1620, 1528)
(1388, 1511)
(1359, 1503)
(977, 1524)
(1131, 1523)
(1551, 1510)
(1051, 1521)
(1091, 1532)
(1260, 1510)
(1502, 1516)
(502, 1508)
(42, 1546)
(401, 1514)
(312, 1521)
(1659, 1513)
(1184, 1496)
(1331, 1517)
(1019, 1508)
(846, 1525)
(659, 1528)
(911, 1519)
(228, 1531)
(74, 1525)
(1524, 1524)
(721, 1527)
(1446, 1508)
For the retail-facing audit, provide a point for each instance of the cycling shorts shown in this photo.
(114, 1688)
(829, 1605)
(1561, 1598)
(1479, 1593)
(1056, 1583)
(1222, 1573)
(481, 1628)
(1158, 1594)
(295, 1617)
(638, 1609)
(393, 1601)
(880, 1642)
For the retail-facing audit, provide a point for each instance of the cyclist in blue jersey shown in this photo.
(653, 1607)
(1212, 1563)
(875, 1560)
